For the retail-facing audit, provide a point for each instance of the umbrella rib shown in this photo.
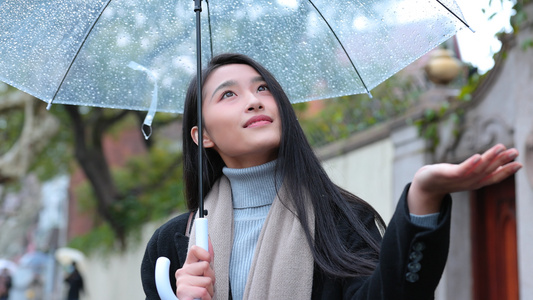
(450, 11)
(342, 46)
(78, 52)
(210, 31)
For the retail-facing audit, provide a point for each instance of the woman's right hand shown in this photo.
(196, 279)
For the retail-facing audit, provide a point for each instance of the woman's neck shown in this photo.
(254, 186)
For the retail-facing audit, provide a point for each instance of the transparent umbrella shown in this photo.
(116, 53)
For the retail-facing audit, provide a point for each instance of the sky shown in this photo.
(478, 48)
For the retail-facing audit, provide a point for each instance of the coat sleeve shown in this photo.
(412, 258)
(169, 241)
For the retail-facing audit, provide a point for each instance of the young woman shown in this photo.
(279, 228)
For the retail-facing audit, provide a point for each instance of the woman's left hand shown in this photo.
(432, 182)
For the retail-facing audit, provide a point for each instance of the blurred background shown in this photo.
(81, 185)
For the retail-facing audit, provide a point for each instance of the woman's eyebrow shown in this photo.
(257, 79)
(229, 83)
(225, 84)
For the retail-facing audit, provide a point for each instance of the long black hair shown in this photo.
(305, 179)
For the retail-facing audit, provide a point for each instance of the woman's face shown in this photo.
(241, 117)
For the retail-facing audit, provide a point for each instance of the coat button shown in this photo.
(419, 246)
(411, 277)
(416, 256)
(414, 267)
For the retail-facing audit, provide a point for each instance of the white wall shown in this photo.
(117, 276)
(367, 172)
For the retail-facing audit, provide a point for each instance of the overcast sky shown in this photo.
(478, 48)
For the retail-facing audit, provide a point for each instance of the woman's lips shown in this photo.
(258, 121)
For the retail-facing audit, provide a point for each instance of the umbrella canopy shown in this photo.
(66, 256)
(137, 54)
(9, 265)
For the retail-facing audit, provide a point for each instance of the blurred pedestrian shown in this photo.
(75, 282)
(5, 284)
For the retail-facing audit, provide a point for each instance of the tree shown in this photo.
(27, 128)
(45, 143)
(124, 198)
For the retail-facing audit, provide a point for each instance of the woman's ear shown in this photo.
(208, 143)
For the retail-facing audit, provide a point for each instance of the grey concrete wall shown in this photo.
(520, 62)
(456, 282)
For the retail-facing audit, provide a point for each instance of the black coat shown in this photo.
(411, 263)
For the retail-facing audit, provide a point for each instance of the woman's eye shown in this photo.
(227, 94)
(262, 88)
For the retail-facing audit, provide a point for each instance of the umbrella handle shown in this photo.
(201, 233)
(162, 265)
(162, 281)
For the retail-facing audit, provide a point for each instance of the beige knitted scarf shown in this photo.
(282, 266)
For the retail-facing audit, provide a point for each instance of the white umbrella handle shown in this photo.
(162, 281)
(162, 265)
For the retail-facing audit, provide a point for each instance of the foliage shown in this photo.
(428, 124)
(11, 123)
(157, 187)
(520, 18)
(99, 239)
(149, 186)
(56, 157)
(344, 116)
(468, 89)
(151, 189)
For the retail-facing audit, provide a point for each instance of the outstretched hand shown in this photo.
(432, 182)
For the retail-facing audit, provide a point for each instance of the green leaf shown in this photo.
(528, 43)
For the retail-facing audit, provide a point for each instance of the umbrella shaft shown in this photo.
(198, 10)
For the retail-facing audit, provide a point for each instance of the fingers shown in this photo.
(196, 254)
(195, 280)
(468, 166)
(503, 158)
(431, 182)
(493, 166)
(500, 174)
(487, 160)
(192, 292)
(194, 287)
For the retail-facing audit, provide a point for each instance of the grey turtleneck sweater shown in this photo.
(253, 191)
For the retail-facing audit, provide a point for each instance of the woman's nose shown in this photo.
(254, 104)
